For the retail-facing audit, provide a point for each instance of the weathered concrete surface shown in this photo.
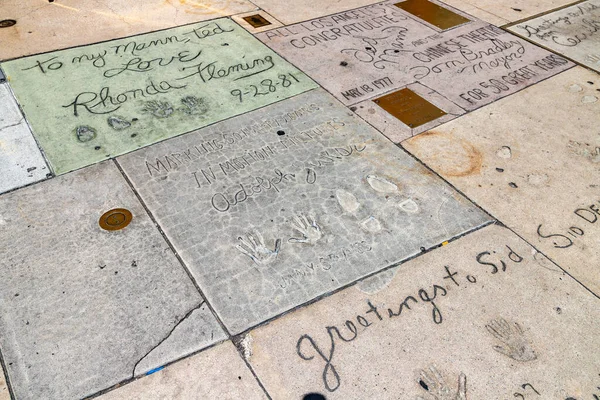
(217, 373)
(573, 32)
(82, 306)
(479, 13)
(533, 162)
(276, 207)
(485, 317)
(21, 162)
(41, 25)
(198, 327)
(509, 10)
(302, 10)
(99, 101)
(362, 54)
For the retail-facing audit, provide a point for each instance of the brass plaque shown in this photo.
(256, 20)
(115, 219)
(434, 14)
(409, 107)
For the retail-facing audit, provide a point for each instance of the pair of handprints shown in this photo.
(513, 344)
(254, 246)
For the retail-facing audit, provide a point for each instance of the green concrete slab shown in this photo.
(91, 103)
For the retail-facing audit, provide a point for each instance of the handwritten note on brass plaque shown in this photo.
(434, 14)
(409, 107)
(256, 20)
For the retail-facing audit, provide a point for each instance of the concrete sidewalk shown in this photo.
(243, 199)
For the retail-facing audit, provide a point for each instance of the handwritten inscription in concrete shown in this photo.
(573, 31)
(90, 103)
(486, 317)
(363, 53)
(276, 207)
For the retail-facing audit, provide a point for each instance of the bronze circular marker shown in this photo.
(115, 219)
(5, 23)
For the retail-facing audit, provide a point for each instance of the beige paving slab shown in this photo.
(4, 394)
(303, 10)
(511, 10)
(44, 25)
(472, 9)
(217, 373)
(485, 317)
(573, 32)
(532, 161)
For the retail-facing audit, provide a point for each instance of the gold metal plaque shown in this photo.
(256, 20)
(409, 107)
(115, 219)
(434, 14)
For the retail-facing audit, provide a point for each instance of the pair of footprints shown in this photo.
(351, 205)
(254, 245)
(514, 344)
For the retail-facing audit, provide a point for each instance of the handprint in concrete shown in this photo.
(254, 247)
(431, 380)
(514, 343)
(308, 228)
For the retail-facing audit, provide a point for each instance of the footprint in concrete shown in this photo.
(382, 185)
(432, 381)
(85, 133)
(371, 224)
(118, 123)
(589, 99)
(538, 179)
(160, 109)
(504, 152)
(347, 201)
(587, 150)
(409, 206)
(514, 344)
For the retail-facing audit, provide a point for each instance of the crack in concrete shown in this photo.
(15, 124)
(166, 336)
